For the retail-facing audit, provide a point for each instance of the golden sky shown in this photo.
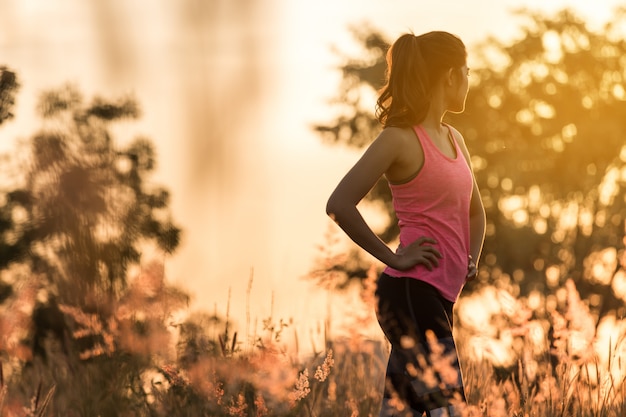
(228, 89)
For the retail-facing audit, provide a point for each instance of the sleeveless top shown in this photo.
(435, 204)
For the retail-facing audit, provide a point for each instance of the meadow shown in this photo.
(90, 328)
(521, 356)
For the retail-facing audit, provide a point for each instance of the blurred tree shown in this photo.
(80, 214)
(545, 123)
(84, 210)
(8, 88)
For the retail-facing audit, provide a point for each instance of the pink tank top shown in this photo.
(436, 204)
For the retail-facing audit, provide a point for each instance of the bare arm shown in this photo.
(341, 206)
(477, 230)
(477, 217)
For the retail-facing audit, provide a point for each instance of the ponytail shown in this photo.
(414, 64)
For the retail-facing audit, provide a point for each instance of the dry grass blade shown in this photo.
(3, 389)
(234, 344)
(222, 345)
(3, 394)
(37, 396)
(46, 401)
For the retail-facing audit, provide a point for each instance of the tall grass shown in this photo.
(519, 357)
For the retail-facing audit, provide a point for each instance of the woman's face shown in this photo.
(460, 87)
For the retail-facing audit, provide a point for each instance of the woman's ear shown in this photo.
(450, 77)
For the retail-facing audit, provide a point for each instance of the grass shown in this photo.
(519, 357)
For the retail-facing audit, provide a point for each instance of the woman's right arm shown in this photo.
(342, 205)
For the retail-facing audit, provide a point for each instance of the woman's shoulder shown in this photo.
(396, 134)
(457, 135)
(394, 141)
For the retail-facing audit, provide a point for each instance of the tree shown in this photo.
(84, 210)
(8, 88)
(79, 216)
(544, 122)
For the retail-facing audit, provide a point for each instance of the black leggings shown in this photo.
(423, 372)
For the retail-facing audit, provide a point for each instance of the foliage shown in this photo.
(550, 157)
(511, 366)
(8, 88)
(89, 328)
(543, 122)
(73, 226)
(84, 211)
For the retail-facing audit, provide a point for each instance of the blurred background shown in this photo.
(165, 165)
(229, 93)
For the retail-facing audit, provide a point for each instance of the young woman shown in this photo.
(440, 215)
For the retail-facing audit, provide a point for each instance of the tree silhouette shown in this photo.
(8, 88)
(84, 210)
(79, 214)
(544, 121)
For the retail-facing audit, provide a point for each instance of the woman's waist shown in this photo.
(453, 234)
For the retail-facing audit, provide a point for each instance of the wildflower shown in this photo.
(272, 375)
(173, 375)
(238, 409)
(302, 387)
(368, 291)
(332, 391)
(261, 408)
(322, 372)
(353, 406)
(90, 325)
(580, 324)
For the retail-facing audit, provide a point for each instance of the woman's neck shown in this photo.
(433, 122)
(436, 111)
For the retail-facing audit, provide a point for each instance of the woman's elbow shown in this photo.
(335, 207)
(341, 205)
(331, 208)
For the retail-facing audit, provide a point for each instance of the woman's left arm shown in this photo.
(478, 222)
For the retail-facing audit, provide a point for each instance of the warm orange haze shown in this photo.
(228, 101)
(229, 92)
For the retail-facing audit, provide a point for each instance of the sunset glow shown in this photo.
(228, 92)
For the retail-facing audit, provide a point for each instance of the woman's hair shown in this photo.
(414, 64)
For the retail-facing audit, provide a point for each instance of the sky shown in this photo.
(228, 91)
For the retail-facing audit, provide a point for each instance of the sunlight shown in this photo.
(552, 45)
(610, 346)
(506, 184)
(568, 217)
(535, 198)
(524, 116)
(553, 276)
(495, 101)
(568, 132)
(622, 154)
(600, 265)
(543, 109)
(608, 188)
(230, 93)
(540, 225)
(573, 41)
(586, 220)
(475, 311)
(555, 143)
(618, 285)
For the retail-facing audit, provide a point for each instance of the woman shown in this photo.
(440, 215)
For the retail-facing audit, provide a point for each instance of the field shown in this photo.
(525, 356)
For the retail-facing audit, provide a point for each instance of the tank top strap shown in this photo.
(423, 138)
(429, 147)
